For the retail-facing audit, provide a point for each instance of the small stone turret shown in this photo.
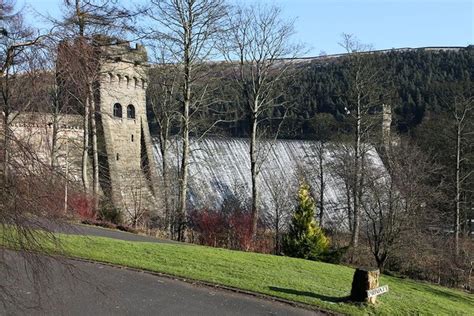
(119, 50)
(386, 125)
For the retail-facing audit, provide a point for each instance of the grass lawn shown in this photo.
(315, 283)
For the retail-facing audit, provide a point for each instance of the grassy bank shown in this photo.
(320, 284)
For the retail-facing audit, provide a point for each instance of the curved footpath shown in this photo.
(83, 288)
(87, 230)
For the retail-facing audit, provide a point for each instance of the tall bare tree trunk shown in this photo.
(277, 229)
(254, 172)
(462, 111)
(185, 131)
(184, 171)
(356, 188)
(166, 183)
(6, 151)
(85, 150)
(192, 27)
(66, 176)
(54, 139)
(349, 210)
(321, 184)
(6, 128)
(85, 147)
(80, 17)
(457, 212)
(95, 154)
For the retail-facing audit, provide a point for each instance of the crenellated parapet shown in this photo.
(47, 120)
(115, 49)
(123, 66)
(125, 79)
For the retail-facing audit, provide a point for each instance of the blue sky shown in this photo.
(381, 23)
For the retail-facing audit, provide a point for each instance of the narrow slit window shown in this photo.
(131, 138)
(117, 156)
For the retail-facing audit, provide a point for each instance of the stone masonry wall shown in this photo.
(35, 131)
(126, 139)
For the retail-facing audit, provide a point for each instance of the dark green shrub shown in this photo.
(109, 213)
(334, 255)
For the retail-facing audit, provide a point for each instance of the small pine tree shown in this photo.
(305, 238)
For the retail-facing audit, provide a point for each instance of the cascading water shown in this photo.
(219, 169)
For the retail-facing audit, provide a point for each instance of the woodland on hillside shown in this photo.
(420, 82)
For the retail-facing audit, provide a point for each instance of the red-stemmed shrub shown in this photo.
(265, 242)
(82, 205)
(240, 223)
(209, 225)
(229, 228)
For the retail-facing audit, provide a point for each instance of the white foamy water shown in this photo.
(220, 169)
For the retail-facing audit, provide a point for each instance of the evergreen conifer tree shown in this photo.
(305, 238)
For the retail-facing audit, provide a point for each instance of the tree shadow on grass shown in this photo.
(332, 299)
(455, 297)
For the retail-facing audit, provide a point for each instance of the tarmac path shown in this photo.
(87, 230)
(71, 287)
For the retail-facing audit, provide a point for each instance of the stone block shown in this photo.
(364, 279)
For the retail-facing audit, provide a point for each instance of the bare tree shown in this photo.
(163, 98)
(83, 20)
(396, 202)
(341, 166)
(463, 112)
(453, 150)
(86, 18)
(364, 95)
(323, 125)
(30, 190)
(136, 211)
(188, 29)
(15, 43)
(281, 198)
(257, 40)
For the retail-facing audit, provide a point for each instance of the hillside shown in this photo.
(417, 82)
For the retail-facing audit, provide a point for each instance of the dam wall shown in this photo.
(220, 170)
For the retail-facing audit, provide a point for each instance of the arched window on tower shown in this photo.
(117, 110)
(130, 111)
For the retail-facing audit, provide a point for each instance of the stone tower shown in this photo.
(128, 170)
(386, 126)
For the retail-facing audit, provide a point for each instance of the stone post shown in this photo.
(364, 279)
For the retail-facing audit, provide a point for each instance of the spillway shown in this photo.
(219, 169)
